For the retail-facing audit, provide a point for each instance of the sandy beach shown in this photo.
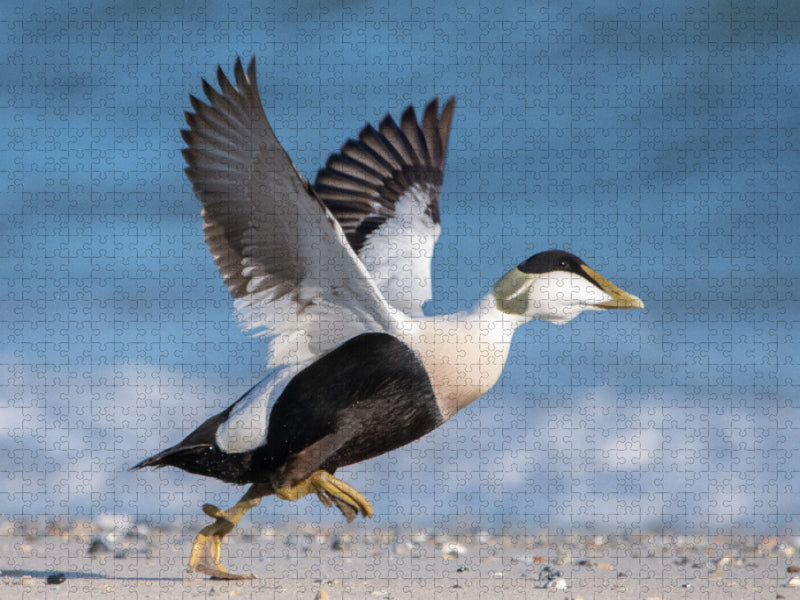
(84, 559)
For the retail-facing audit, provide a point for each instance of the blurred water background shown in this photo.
(658, 141)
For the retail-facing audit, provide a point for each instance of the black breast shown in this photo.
(367, 397)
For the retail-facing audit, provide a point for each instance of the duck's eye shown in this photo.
(563, 264)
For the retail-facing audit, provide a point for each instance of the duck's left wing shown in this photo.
(283, 256)
(384, 190)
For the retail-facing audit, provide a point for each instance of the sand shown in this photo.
(370, 562)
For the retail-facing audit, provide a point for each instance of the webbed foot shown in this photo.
(331, 491)
(207, 547)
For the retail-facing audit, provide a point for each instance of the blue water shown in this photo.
(657, 142)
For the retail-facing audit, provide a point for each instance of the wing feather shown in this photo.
(282, 254)
(412, 132)
(384, 190)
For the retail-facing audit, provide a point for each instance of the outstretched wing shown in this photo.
(281, 253)
(384, 190)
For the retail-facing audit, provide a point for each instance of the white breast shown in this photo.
(463, 353)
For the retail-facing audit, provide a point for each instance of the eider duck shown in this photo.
(336, 273)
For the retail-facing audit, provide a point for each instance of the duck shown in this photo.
(335, 274)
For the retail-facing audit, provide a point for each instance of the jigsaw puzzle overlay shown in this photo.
(625, 453)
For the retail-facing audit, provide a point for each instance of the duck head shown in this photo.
(557, 286)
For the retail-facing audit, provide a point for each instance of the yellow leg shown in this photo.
(330, 491)
(207, 548)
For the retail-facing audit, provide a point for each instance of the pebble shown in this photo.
(98, 546)
(120, 524)
(7, 529)
(595, 565)
(56, 578)
(321, 595)
(420, 537)
(338, 544)
(793, 582)
(793, 569)
(453, 550)
(559, 583)
(552, 579)
(405, 548)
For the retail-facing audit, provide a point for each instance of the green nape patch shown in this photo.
(511, 292)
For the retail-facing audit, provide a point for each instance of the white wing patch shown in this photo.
(301, 335)
(246, 427)
(398, 254)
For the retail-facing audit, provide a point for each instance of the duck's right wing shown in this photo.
(384, 190)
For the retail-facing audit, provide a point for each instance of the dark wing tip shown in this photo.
(409, 114)
(444, 124)
(386, 123)
(398, 154)
(195, 102)
(208, 89)
(408, 123)
(436, 129)
(251, 69)
(238, 72)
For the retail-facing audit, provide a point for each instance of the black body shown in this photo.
(367, 397)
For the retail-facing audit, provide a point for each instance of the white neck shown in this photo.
(464, 353)
(486, 310)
